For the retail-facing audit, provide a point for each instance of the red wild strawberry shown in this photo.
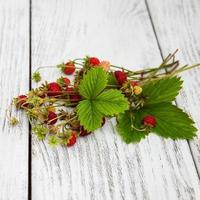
(22, 101)
(52, 118)
(121, 77)
(69, 69)
(134, 83)
(94, 61)
(83, 132)
(53, 89)
(149, 120)
(63, 82)
(66, 81)
(72, 139)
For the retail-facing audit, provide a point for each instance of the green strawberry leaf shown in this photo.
(93, 83)
(164, 90)
(111, 79)
(89, 115)
(111, 102)
(172, 122)
(98, 101)
(125, 129)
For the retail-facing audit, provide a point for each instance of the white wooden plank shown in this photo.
(101, 166)
(177, 25)
(14, 74)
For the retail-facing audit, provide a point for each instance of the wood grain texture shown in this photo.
(177, 26)
(14, 80)
(101, 166)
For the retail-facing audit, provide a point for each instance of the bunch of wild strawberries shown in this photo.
(51, 107)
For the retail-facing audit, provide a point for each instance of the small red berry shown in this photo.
(52, 118)
(149, 120)
(121, 77)
(53, 89)
(69, 69)
(134, 83)
(83, 132)
(22, 96)
(66, 81)
(72, 140)
(94, 61)
(22, 101)
(63, 82)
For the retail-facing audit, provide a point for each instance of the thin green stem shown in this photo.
(64, 123)
(78, 59)
(132, 124)
(78, 64)
(180, 70)
(122, 68)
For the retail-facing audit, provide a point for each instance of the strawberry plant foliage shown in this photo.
(93, 83)
(172, 122)
(125, 129)
(163, 90)
(69, 108)
(111, 102)
(98, 101)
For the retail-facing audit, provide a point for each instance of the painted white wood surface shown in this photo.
(101, 166)
(177, 24)
(14, 80)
